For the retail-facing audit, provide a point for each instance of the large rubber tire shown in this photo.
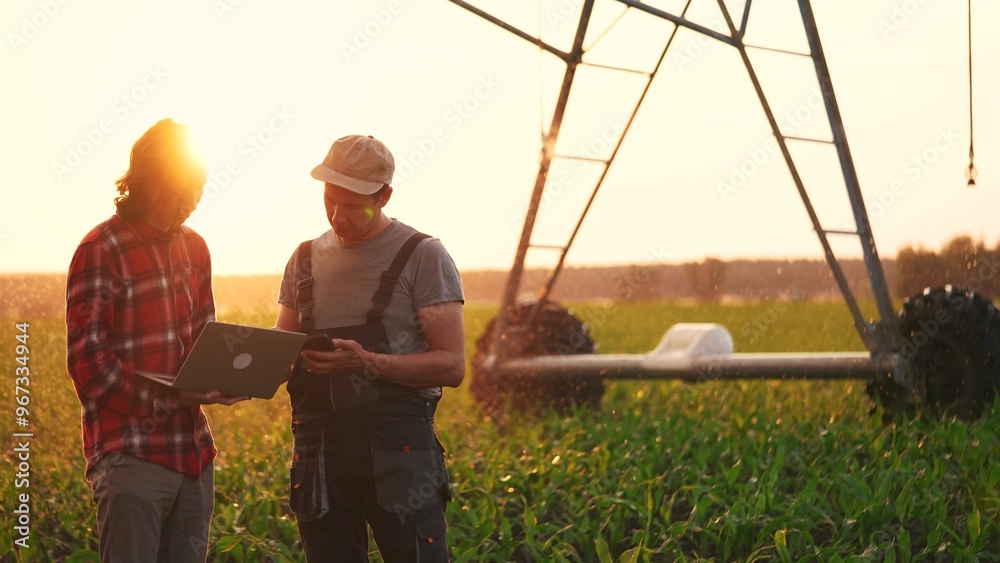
(952, 343)
(555, 331)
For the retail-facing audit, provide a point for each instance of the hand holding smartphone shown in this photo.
(320, 342)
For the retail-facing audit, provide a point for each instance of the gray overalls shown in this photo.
(365, 450)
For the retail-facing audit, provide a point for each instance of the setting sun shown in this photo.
(265, 89)
(752, 226)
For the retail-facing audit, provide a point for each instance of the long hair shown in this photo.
(163, 152)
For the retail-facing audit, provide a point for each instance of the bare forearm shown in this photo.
(442, 365)
(435, 368)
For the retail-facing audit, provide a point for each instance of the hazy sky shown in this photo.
(269, 85)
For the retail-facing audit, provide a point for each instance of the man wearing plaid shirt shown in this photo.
(138, 293)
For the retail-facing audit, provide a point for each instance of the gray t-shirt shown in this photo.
(345, 278)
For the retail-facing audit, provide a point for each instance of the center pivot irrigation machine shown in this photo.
(941, 350)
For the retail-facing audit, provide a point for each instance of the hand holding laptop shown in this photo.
(230, 363)
(209, 398)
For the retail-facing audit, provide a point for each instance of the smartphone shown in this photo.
(320, 342)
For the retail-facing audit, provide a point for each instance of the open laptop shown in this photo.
(238, 360)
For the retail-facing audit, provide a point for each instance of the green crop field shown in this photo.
(665, 471)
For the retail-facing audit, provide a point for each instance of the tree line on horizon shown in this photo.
(961, 262)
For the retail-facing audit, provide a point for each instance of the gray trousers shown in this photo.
(146, 512)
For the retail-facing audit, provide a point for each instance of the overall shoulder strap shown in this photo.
(389, 277)
(303, 287)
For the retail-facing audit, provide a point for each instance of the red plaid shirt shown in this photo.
(137, 298)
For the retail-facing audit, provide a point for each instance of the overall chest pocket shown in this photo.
(353, 390)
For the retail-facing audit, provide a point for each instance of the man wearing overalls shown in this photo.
(389, 300)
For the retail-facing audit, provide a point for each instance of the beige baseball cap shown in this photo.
(361, 164)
